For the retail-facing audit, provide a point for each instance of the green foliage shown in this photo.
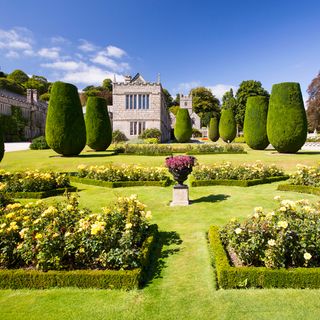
(13, 125)
(196, 133)
(299, 188)
(183, 127)
(2, 150)
(39, 143)
(65, 126)
(214, 129)
(205, 104)
(168, 98)
(18, 76)
(122, 184)
(151, 133)
(98, 125)
(247, 89)
(118, 136)
(107, 84)
(45, 97)
(287, 122)
(227, 126)
(306, 176)
(229, 101)
(41, 86)
(174, 109)
(42, 194)
(11, 86)
(259, 277)
(151, 141)
(61, 236)
(255, 122)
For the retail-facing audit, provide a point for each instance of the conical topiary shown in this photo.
(65, 126)
(214, 129)
(227, 126)
(255, 122)
(287, 122)
(98, 126)
(183, 127)
(1, 144)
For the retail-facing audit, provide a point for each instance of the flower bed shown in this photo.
(305, 180)
(34, 184)
(74, 246)
(121, 176)
(166, 150)
(275, 249)
(244, 175)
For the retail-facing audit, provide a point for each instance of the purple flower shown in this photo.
(180, 162)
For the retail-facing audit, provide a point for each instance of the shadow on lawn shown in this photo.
(211, 198)
(160, 253)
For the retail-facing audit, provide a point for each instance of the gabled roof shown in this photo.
(138, 79)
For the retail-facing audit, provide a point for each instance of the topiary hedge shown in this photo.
(227, 126)
(98, 125)
(287, 121)
(214, 129)
(183, 127)
(255, 122)
(65, 126)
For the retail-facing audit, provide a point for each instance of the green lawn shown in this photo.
(183, 285)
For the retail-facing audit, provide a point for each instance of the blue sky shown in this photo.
(216, 44)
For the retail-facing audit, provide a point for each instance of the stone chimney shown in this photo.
(127, 79)
(32, 95)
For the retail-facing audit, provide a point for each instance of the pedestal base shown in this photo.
(180, 195)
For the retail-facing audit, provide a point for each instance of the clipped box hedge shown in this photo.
(239, 183)
(41, 194)
(229, 277)
(100, 279)
(299, 188)
(119, 184)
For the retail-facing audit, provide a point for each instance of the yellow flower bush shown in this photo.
(284, 238)
(114, 173)
(64, 237)
(306, 176)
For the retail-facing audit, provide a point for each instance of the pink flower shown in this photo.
(180, 162)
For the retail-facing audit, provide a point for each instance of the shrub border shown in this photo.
(119, 184)
(42, 194)
(100, 279)
(229, 277)
(299, 188)
(239, 183)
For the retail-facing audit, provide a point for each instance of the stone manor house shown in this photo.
(33, 111)
(139, 105)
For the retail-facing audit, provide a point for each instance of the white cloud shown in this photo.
(15, 39)
(103, 59)
(12, 54)
(220, 89)
(49, 53)
(63, 65)
(86, 46)
(59, 40)
(185, 87)
(112, 51)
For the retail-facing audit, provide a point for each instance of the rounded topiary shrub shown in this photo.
(255, 122)
(65, 126)
(287, 121)
(227, 126)
(214, 129)
(118, 136)
(39, 143)
(98, 126)
(183, 127)
(151, 133)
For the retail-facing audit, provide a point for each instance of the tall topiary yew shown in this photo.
(98, 126)
(214, 129)
(255, 122)
(287, 121)
(227, 126)
(183, 127)
(65, 126)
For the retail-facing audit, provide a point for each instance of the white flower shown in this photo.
(128, 225)
(258, 210)
(282, 224)
(277, 198)
(238, 230)
(307, 256)
(271, 242)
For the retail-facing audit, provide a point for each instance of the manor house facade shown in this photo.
(33, 111)
(139, 105)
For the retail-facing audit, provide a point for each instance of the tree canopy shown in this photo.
(205, 104)
(247, 89)
(313, 103)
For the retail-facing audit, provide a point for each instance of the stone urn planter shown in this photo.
(180, 167)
